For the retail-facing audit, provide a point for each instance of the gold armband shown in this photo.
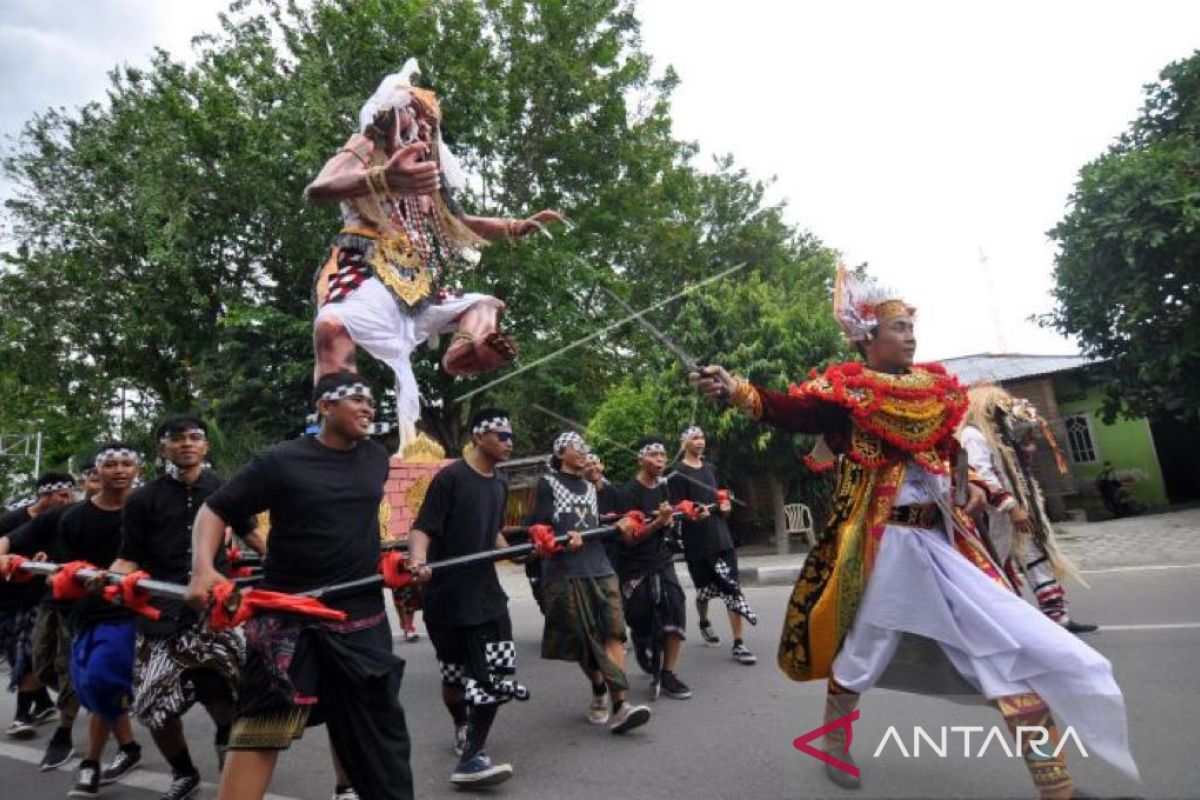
(746, 398)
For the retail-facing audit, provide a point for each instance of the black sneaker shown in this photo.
(124, 762)
(21, 728)
(480, 771)
(1080, 627)
(88, 784)
(708, 634)
(183, 787)
(673, 687)
(59, 751)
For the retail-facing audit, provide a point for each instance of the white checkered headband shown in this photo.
(652, 449)
(111, 453)
(689, 433)
(570, 439)
(57, 486)
(348, 390)
(493, 424)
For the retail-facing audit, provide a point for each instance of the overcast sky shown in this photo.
(913, 136)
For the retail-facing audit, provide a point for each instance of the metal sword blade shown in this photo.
(691, 363)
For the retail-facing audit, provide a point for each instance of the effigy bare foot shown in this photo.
(502, 344)
(468, 356)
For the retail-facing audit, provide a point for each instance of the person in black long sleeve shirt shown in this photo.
(179, 662)
(708, 547)
(585, 619)
(654, 600)
(51, 627)
(18, 612)
(466, 610)
(323, 494)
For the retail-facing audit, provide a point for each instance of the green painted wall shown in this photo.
(1127, 443)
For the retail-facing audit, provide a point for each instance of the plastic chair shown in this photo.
(798, 519)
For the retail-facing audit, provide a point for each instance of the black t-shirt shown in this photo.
(324, 507)
(702, 537)
(41, 535)
(157, 535)
(568, 503)
(462, 513)
(14, 596)
(89, 533)
(609, 502)
(651, 552)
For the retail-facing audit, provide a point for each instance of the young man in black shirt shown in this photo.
(708, 547)
(585, 620)
(323, 494)
(51, 627)
(18, 611)
(179, 662)
(102, 646)
(653, 598)
(466, 610)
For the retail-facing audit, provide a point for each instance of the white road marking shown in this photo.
(139, 779)
(1150, 567)
(1168, 626)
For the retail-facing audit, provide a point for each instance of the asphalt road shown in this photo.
(734, 738)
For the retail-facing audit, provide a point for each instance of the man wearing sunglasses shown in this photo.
(466, 610)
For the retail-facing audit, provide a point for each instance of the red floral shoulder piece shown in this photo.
(916, 412)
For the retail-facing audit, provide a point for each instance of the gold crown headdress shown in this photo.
(860, 305)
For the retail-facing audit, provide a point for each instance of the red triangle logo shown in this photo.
(801, 743)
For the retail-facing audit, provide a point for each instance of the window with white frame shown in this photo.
(1081, 439)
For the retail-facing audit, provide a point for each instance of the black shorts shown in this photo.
(704, 572)
(479, 659)
(454, 644)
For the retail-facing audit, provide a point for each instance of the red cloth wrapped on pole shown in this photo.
(542, 539)
(690, 510)
(129, 595)
(722, 496)
(65, 585)
(637, 521)
(394, 569)
(12, 571)
(232, 608)
(234, 555)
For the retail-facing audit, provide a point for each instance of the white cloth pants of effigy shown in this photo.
(376, 324)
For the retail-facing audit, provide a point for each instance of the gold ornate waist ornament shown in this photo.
(397, 265)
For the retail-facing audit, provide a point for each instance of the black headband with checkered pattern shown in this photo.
(347, 390)
(493, 424)
(652, 448)
(569, 438)
(57, 486)
(690, 432)
(117, 452)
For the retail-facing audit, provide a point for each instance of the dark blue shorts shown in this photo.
(102, 668)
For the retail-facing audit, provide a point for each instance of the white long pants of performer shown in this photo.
(1000, 644)
(377, 325)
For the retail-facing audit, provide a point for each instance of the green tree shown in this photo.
(770, 323)
(165, 251)
(1127, 275)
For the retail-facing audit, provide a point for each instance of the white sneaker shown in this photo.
(629, 717)
(597, 713)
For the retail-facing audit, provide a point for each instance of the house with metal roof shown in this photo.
(1149, 458)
